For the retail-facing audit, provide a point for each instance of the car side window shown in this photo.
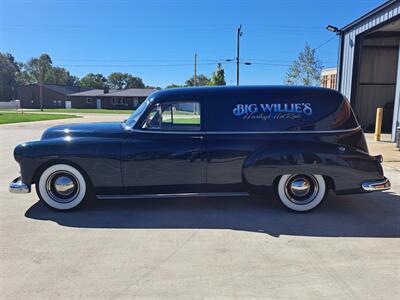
(173, 116)
(153, 118)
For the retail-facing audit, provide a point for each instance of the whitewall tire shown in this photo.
(301, 192)
(61, 186)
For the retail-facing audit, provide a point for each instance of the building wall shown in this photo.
(349, 43)
(374, 83)
(350, 52)
(82, 102)
(30, 97)
(128, 103)
(107, 102)
(328, 78)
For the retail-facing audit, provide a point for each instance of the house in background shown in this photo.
(53, 95)
(60, 96)
(109, 99)
(369, 66)
(88, 99)
(328, 78)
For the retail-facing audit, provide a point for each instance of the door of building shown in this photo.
(376, 86)
(98, 103)
(68, 105)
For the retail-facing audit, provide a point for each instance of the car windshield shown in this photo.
(131, 121)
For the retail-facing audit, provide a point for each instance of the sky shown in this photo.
(156, 40)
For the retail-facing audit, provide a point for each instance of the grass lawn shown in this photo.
(182, 117)
(87, 111)
(195, 120)
(13, 117)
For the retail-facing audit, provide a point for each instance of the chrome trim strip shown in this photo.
(250, 132)
(176, 195)
(18, 187)
(379, 185)
(283, 132)
(168, 131)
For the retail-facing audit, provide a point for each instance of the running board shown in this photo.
(180, 195)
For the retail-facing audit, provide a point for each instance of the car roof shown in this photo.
(168, 94)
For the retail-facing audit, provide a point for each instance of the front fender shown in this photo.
(99, 159)
(347, 167)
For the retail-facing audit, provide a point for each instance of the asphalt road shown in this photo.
(224, 248)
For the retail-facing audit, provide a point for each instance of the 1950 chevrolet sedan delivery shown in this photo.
(296, 141)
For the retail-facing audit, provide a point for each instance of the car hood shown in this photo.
(93, 130)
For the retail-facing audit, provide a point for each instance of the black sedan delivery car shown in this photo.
(296, 141)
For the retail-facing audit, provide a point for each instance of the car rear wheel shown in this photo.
(301, 192)
(61, 186)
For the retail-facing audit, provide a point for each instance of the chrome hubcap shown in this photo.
(301, 189)
(62, 186)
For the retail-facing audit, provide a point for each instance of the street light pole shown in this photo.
(239, 34)
(339, 64)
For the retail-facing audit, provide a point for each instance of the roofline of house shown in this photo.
(44, 87)
(106, 95)
(111, 94)
(369, 14)
(35, 83)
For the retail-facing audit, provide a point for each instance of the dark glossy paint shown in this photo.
(177, 160)
(218, 157)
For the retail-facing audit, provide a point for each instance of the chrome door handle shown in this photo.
(197, 137)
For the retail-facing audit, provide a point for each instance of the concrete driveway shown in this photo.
(224, 248)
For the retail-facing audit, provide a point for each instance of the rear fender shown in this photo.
(346, 167)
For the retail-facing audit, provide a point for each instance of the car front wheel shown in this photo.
(301, 192)
(61, 186)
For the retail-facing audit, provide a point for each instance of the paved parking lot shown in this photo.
(349, 248)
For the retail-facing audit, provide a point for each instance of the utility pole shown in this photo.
(239, 34)
(41, 95)
(195, 70)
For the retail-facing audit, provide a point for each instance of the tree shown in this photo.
(135, 83)
(218, 77)
(305, 70)
(9, 69)
(94, 81)
(121, 81)
(118, 80)
(153, 87)
(61, 76)
(201, 80)
(38, 69)
(173, 86)
(23, 77)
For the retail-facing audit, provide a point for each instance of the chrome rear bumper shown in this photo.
(379, 185)
(18, 187)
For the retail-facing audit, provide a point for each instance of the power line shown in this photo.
(257, 29)
(182, 62)
(134, 60)
(269, 64)
(326, 42)
(134, 65)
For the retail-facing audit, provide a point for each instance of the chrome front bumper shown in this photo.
(18, 187)
(379, 185)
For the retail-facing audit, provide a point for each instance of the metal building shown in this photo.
(369, 68)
